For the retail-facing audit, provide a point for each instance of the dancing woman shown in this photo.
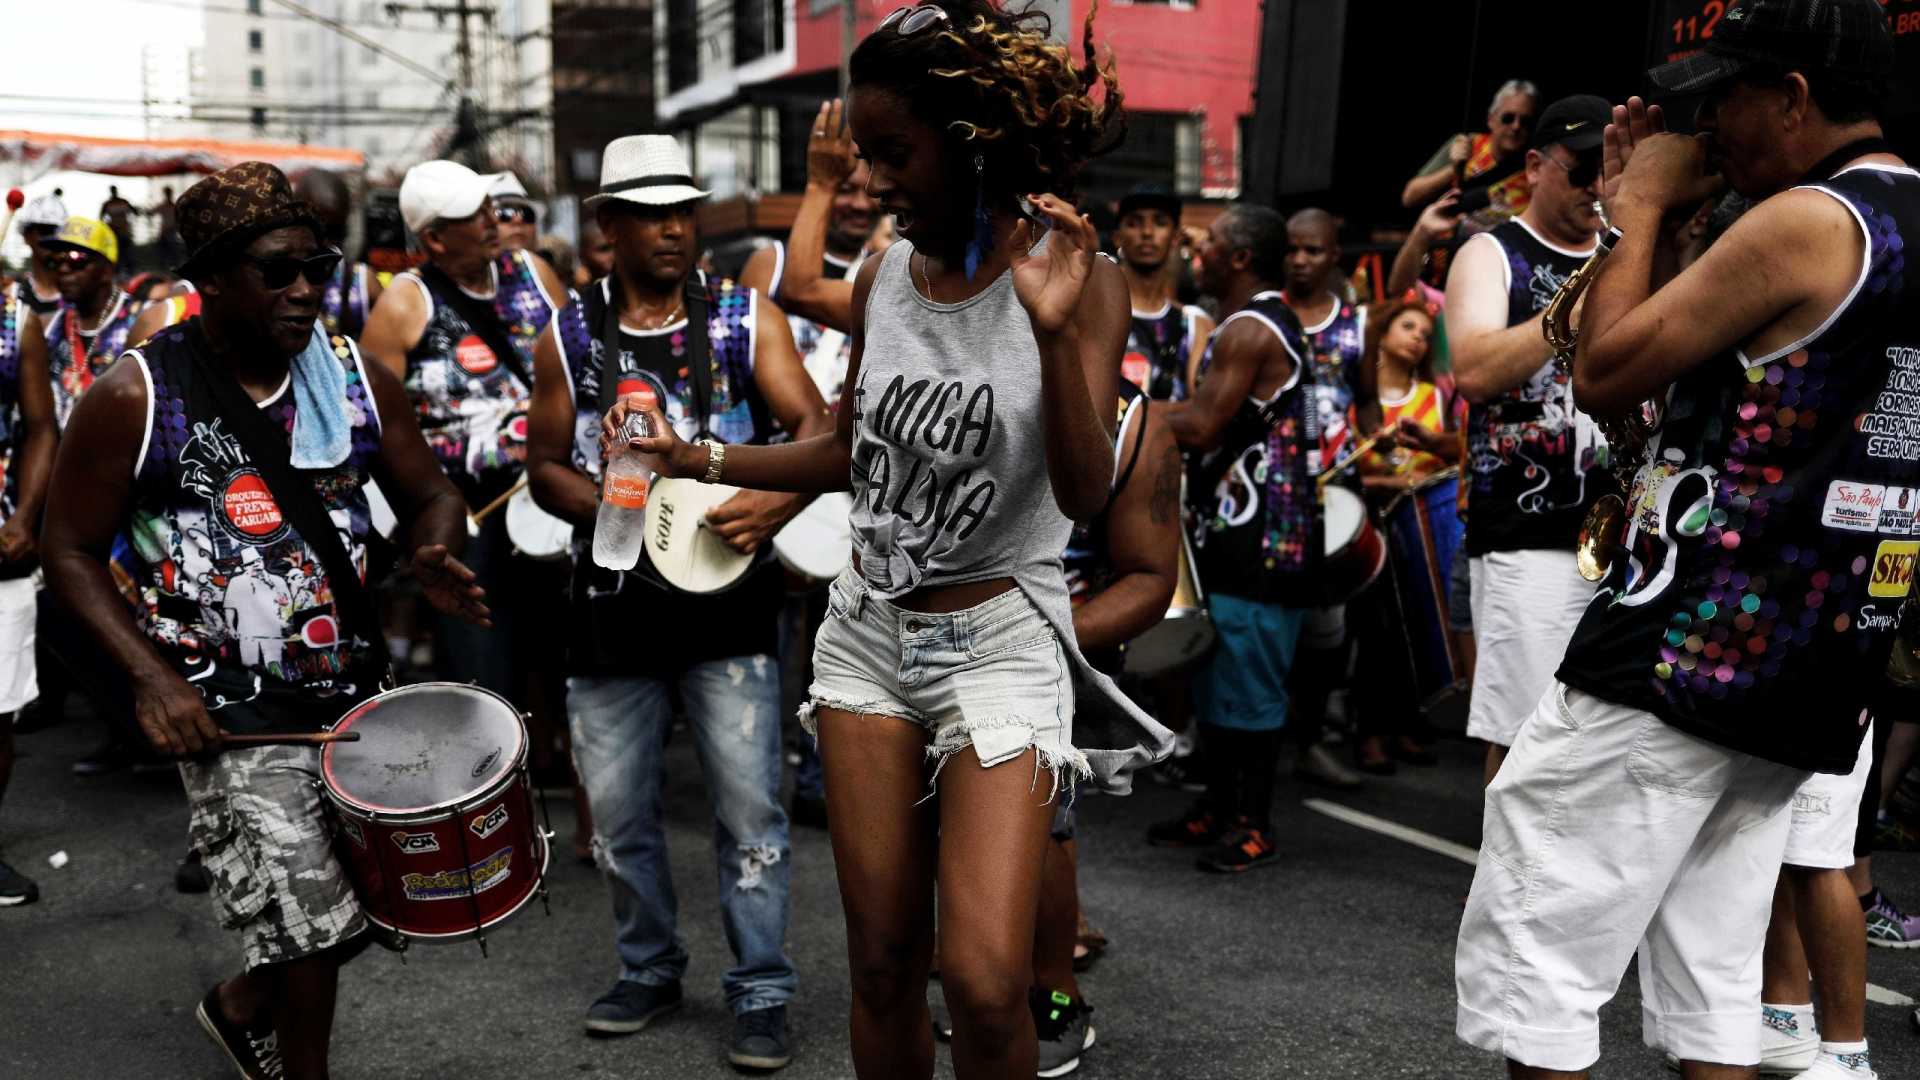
(975, 427)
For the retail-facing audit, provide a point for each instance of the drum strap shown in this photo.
(699, 351)
(480, 315)
(293, 491)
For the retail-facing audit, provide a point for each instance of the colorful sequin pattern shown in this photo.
(472, 408)
(71, 377)
(1337, 346)
(1157, 349)
(219, 571)
(343, 306)
(737, 415)
(13, 313)
(1773, 534)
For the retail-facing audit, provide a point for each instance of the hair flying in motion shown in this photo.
(997, 84)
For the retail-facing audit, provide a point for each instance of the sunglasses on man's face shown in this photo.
(70, 261)
(908, 21)
(278, 272)
(1522, 120)
(513, 215)
(1583, 172)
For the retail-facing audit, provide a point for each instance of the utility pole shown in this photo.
(467, 140)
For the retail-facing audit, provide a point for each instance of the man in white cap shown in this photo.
(721, 361)
(39, 221)
(519, 219)
(459, 331)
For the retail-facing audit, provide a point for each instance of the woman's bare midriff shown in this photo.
(946, 599)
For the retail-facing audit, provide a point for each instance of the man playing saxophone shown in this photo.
(1732, 648)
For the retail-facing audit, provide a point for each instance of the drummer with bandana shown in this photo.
(176, 447)
(91, 327)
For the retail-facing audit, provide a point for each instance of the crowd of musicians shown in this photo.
(1104, 490)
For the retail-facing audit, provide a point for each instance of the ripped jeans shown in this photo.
(619, 734)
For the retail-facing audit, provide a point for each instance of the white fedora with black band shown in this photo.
(650, 170)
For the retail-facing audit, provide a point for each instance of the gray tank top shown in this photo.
(950, 478)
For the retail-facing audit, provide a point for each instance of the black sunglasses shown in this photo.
(1583, 172)
(508, 215)
(69, 259)
(278, 272)
(1524, 120)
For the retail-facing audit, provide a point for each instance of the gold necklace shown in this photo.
(668, 319)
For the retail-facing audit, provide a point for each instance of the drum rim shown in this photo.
(455, 936)
(393, 815)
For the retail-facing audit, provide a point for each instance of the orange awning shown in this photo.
(45, 152)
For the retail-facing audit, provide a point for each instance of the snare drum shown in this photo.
(434, 811)
(1355, 553)
(818, 543)
(1180, 638)
(535, 533)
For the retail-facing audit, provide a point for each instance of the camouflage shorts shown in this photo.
(256, 820)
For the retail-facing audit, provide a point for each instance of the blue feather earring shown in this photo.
(982, 241)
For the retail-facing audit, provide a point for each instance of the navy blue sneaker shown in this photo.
(631, 1006)
(760, 1039)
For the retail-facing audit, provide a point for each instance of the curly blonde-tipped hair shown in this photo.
(1000, 86)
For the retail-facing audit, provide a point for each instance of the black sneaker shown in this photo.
(16, 888)
(109, 757)
(1065, 1030)
(631, 1006)
(1180, 772)
(760, 1039)
(1242, 849)
(1198, 827)
(253, 1048)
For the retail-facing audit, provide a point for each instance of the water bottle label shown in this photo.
(628, 492)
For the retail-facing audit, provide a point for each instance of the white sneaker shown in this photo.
(1788, 1042)
(1828, 1067)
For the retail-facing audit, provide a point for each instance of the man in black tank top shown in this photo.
(1746, 616)
(1166, 338)
(1529, 474)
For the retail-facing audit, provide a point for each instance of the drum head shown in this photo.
(818, 542)
(683, 550)
(429, 746)
(1345, 513)
(534, 532)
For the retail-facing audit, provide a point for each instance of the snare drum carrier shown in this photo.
(701, 370)
(1258, 520)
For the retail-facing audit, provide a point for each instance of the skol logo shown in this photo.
(1893, 567)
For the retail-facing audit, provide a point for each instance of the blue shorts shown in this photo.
(1243, 683)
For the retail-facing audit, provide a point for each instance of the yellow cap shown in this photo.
(89, 235)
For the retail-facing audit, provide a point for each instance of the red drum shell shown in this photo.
(1355, 551)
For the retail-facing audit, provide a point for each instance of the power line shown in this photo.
(343, 30)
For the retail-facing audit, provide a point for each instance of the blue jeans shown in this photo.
(619, 733)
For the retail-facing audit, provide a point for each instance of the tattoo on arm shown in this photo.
(1165, 506)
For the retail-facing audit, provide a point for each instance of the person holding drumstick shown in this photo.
(239, 438)
(977, 424)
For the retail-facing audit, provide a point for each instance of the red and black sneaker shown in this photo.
(1242, 849)
(1198, 827)
(253, 1048)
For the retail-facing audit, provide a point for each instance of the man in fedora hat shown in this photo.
(458, 332)
(244, 438)
(717, 651)
(88, 332)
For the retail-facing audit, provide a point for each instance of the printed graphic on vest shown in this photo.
(1892, 424)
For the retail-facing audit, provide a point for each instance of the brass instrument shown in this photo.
(1626, 435)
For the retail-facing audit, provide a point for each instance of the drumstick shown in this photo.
(1326, 478)
(475, 518)
(290, 738)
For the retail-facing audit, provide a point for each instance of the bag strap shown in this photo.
(1133, 459)
(699, 350)
(293, 492)
(480, 315)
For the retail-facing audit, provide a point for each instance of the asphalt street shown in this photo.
(1335, 963)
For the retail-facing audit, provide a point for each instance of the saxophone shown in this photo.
(1627, 434)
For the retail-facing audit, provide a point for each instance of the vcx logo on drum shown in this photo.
(418, 843)
(484, 827)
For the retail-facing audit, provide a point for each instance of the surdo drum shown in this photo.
(435, 812)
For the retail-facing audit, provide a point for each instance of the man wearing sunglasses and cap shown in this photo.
(1488, 169)
(459, 332)
(243, 438)
(519, 218)
(90, 329)
(1531, 471)
(1735, 645)
(39, 220)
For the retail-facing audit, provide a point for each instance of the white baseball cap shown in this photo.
(433, 190)
(508, 189)
(46, 212)
(651, 170)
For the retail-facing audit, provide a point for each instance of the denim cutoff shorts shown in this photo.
(993, 676)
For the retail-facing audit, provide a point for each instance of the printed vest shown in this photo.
(1158, 344)
(1338, 345)
(74, 360)
(343, 306)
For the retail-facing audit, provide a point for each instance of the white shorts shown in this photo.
(19, 609)
(1826, 815)
(1607, 830)
(1525, 607)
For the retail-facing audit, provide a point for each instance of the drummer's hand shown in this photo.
(750, 518)
(1411, 433)
(450, 586)
(16, 540)
(667, 453)
(172, 715)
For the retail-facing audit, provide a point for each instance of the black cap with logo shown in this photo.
(1150, 197)
(1577, 122)
(1836, 37)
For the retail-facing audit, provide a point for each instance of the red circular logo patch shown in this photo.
(320, 632)
(1136, 370)
(249, 508)
(473, 356)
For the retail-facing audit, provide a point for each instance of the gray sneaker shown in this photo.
(1065, 1029)
(760, 1039)
(631, 1006)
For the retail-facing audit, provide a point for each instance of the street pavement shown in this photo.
(1335, 963)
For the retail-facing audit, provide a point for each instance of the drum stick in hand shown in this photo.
(288, 738)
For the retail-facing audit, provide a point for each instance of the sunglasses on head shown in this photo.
(278, 272)
(1583, 172)
(69, 259)
(907, 21)
(509, 215)
(1509, 119)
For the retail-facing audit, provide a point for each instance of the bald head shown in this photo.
(327, 193)
(1313, 252)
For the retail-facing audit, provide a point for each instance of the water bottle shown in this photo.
(619, 529)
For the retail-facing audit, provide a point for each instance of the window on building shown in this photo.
(1163, 149)
(257, 78)
(255, 41)
(258, 117)
(683, 44)
(759, 29)
(253, 7)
